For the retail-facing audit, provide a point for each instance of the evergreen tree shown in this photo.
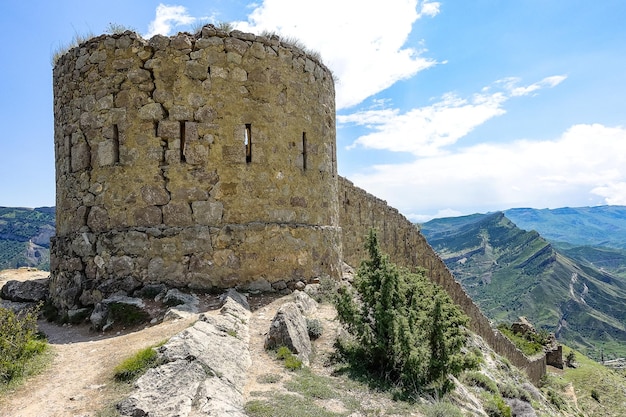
(405, 329)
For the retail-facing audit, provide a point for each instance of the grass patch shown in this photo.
(590, 380)
(441, 409)
(290, 360)
(528, 347)
(287, 405)
(312, 386)
(269, 378)
(135, 366)
(496, 407)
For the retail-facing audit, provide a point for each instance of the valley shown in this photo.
(577, 292)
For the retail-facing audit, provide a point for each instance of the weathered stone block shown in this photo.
(169, 129)
(207, 213)
(107, 153)
(98, 219)
(152, 111)
(178, 112)
(81, 156)
(196, 70)
(177, 214)
(235, 45)
(155, 195)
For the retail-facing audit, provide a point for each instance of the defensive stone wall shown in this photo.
(407, 247)
(202, 160)
(208, 161)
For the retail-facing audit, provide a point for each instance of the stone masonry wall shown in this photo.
(407, 247)
(202, 160)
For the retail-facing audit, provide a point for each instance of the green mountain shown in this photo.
(510, 272)
(583, 226)
(25, 237)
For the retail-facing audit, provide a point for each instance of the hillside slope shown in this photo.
(510, 273)
(25, 237)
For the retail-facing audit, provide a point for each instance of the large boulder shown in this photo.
(31, 291)
(118, 309)
(289, 329)
(203, 369)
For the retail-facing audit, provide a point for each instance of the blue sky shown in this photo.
(443, 108)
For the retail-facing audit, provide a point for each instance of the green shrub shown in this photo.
(407, 331)
(595, 395)
(508, 390)
(19, 343)
(496, 407)
(131, 368)
(292, 363)
(570, 359)
(555, 398)
(290, 360)
(481, 380)
(314, 328)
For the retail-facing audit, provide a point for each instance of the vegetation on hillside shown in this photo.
(25, 237)
(405, 330)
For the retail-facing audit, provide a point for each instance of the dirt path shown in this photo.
(78, 382)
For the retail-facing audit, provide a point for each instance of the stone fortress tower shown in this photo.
(202, 161)
(207, 161)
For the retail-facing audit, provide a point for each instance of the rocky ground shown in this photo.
(79, 381)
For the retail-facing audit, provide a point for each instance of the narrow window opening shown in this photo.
(247, 141)
(116, 144)
(156, 129)
(68, 153)
(304, 151)
(182, 141)
(333, 157)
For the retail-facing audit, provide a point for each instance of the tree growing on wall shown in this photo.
(404, 329)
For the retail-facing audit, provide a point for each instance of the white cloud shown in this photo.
(547, 82)
(586, 165)
(430, 8)
(362, 41)
(427, 131)
(168, 17)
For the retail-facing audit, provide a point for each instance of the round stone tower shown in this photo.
(203, 161)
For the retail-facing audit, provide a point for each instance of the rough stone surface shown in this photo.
(25, 291)
(100, 318)
(203, 371)
(305, 303)
(176, 297)
(289, 329)
(152, 165)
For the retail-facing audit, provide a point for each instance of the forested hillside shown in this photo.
(510, 272)
(25, 237)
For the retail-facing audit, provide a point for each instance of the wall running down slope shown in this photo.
(407, 247)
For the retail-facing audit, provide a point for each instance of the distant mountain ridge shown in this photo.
(25, 237)
(510, 272)
(594, 226)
